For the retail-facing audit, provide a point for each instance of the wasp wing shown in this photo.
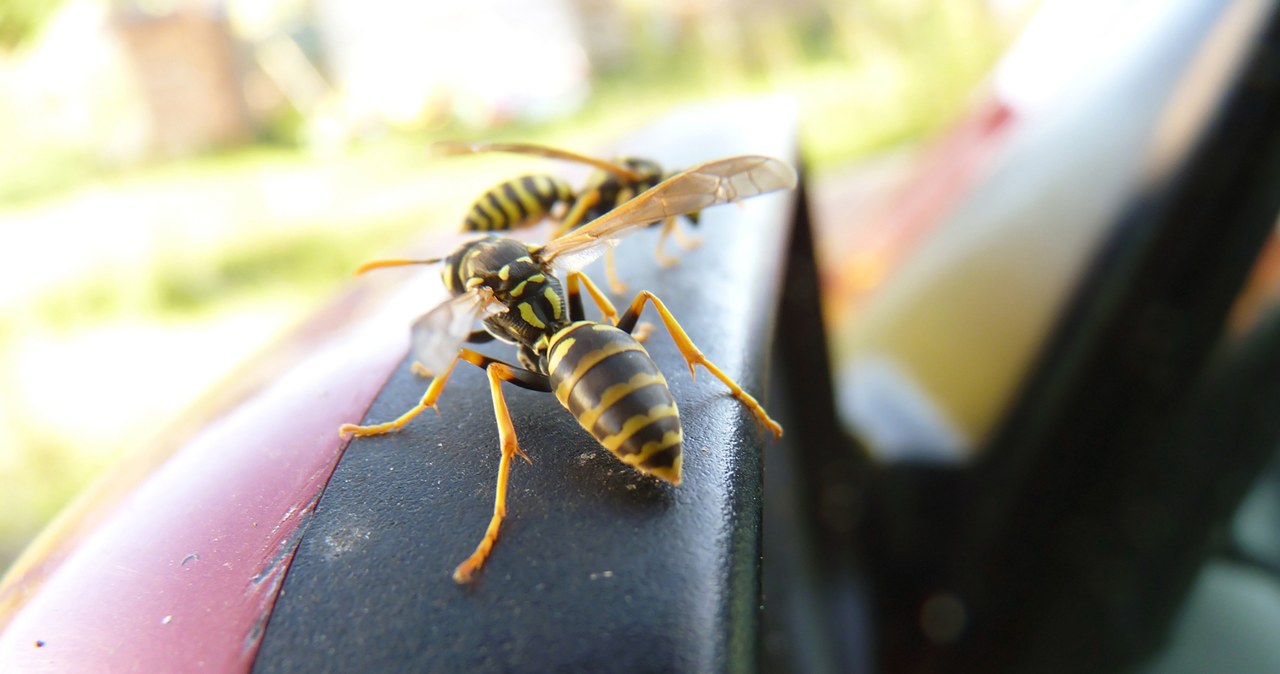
(451, 148)
(439, 333)
(712, 183)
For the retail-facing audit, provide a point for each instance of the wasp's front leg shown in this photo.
(499, 372)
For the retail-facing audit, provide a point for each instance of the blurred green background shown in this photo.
(182, 180)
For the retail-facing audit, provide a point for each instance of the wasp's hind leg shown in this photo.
(668, 228)
(577, 213)
(611, 273)
(640, 332)
(575, 298)
(499, 372)
(671, 229)
(686, 243)
(693, 355)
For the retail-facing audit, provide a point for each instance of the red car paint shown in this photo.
(175, 567)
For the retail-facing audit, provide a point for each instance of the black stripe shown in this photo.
(509, 189)
(637, 402)
(664, 458)
(655, 431)
(501, 213)
(586, 338)
(564, 191)
(613, 369)
(481, 219)
(532, 186)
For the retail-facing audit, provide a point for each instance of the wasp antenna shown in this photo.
(379, 264)
(450, 148)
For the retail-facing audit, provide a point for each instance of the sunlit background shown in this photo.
(182, 180)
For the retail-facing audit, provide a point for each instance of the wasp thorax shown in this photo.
(533, 297)
(645, 167)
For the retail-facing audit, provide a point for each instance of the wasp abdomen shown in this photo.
(517, 203)
(615, 390)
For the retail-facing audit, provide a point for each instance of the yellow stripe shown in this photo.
(536, 278)
(548, 187)
(554, 300)
(505, 272)
(588, 361)
(557, 353)
(617, 392)
(508, 207)
(669, 439)
(558, 348)
(469, 263)
(639, 421)
(495, 217)
(596, 179)
(526, 312)
(564, 191)
(448, 274)
(530, 201)
(670, 474)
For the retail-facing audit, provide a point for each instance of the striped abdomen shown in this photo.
(516, 203)
(612, 191)
(607, 380)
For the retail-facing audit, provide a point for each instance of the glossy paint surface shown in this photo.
(178, 571)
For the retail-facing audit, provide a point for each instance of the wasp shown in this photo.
(526, 200)
(598, 371)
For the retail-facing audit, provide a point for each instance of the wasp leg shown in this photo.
(671, 229)
(499, 372)
(576, 214)
(611, 272)
(575, 300)
(693, 356)
(529, 380)
(664, 260)
(686, 243)
(428, 400)
(642, 331)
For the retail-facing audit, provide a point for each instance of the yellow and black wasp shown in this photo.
(597, 370)
(526, 200)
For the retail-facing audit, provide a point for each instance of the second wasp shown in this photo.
(526, 200)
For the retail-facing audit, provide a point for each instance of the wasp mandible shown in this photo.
(597, 370)
(526, 200)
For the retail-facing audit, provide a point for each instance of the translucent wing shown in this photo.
(450, 148)
(439, 334)
(715, 182)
